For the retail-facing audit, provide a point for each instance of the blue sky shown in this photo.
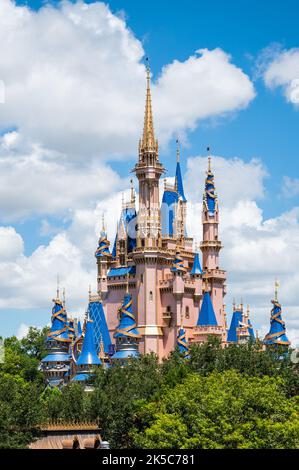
(266, 129)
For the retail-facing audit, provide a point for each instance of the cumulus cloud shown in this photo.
(36, 181)
(282, 70)
(290, 187)
(79, 89)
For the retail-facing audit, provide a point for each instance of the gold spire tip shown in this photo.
(276, 287)
(57, 289)
(177, 150)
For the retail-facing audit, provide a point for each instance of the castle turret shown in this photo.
(88, 360)
(56, 364)
(182, 342)
(126, 334)
(211, 246)
(97, 315)
(103, 255)
(277, 333)
(181, 205)
(207, 324)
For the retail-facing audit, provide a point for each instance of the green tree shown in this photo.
(221, 410)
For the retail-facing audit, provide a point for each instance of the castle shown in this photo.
(155, 290)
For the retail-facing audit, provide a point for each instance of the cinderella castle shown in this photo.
(156, 291)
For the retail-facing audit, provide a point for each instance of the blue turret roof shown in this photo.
(170, 198)
(97, 314)
(210, 195)
(277, 333)
(103, 246)
(182, 343)
(207, 315)
(59, 328)
(79, 329)
(196, 268)
(88, 355)
(178, 264)
(232, 336)
(127, 324)
(179, 182)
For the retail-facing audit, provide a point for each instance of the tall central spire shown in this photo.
(148, 142)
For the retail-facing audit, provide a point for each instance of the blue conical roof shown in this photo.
(235, 323)
(277, 333)
(196, 268)
(182, 343)
(179, 182)
(170, 198)
(88, 355)
(127, 323)
(79, 329)
(59, 328)
(207, 315)
(210, 195)
(97, 314)
(103, 246)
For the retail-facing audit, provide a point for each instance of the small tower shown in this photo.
(182, 342)
(88, 360)
(277, 333)
(232, 334)
(207, 324)
(126, 334)
(97, 315)
(102, 255)
(181, 205)
(211, 246)
(56, 364)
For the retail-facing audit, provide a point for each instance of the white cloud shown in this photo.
(22, 330)
(36, 181)
(11, 244)
(79, 89)
(290, 187)
(283, 71)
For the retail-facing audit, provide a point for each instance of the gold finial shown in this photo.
(209, 159)
(57, 290)
(234, 304)
(132, 192)
(89, 292)
(276, 287)
(122, 200)
(63, 297)
(165, 184)
(148, 142)
(102, 351)
(182, 321)
(241, 304)
(103, 222)
(177, 150)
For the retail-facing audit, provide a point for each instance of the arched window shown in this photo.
(187, 312)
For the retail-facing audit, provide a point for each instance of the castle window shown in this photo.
(168, 308)
(151, 296)
(141, 278)
(187, 312)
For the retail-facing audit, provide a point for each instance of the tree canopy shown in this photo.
(234, 397)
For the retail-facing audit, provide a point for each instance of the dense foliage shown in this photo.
(236, 397)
